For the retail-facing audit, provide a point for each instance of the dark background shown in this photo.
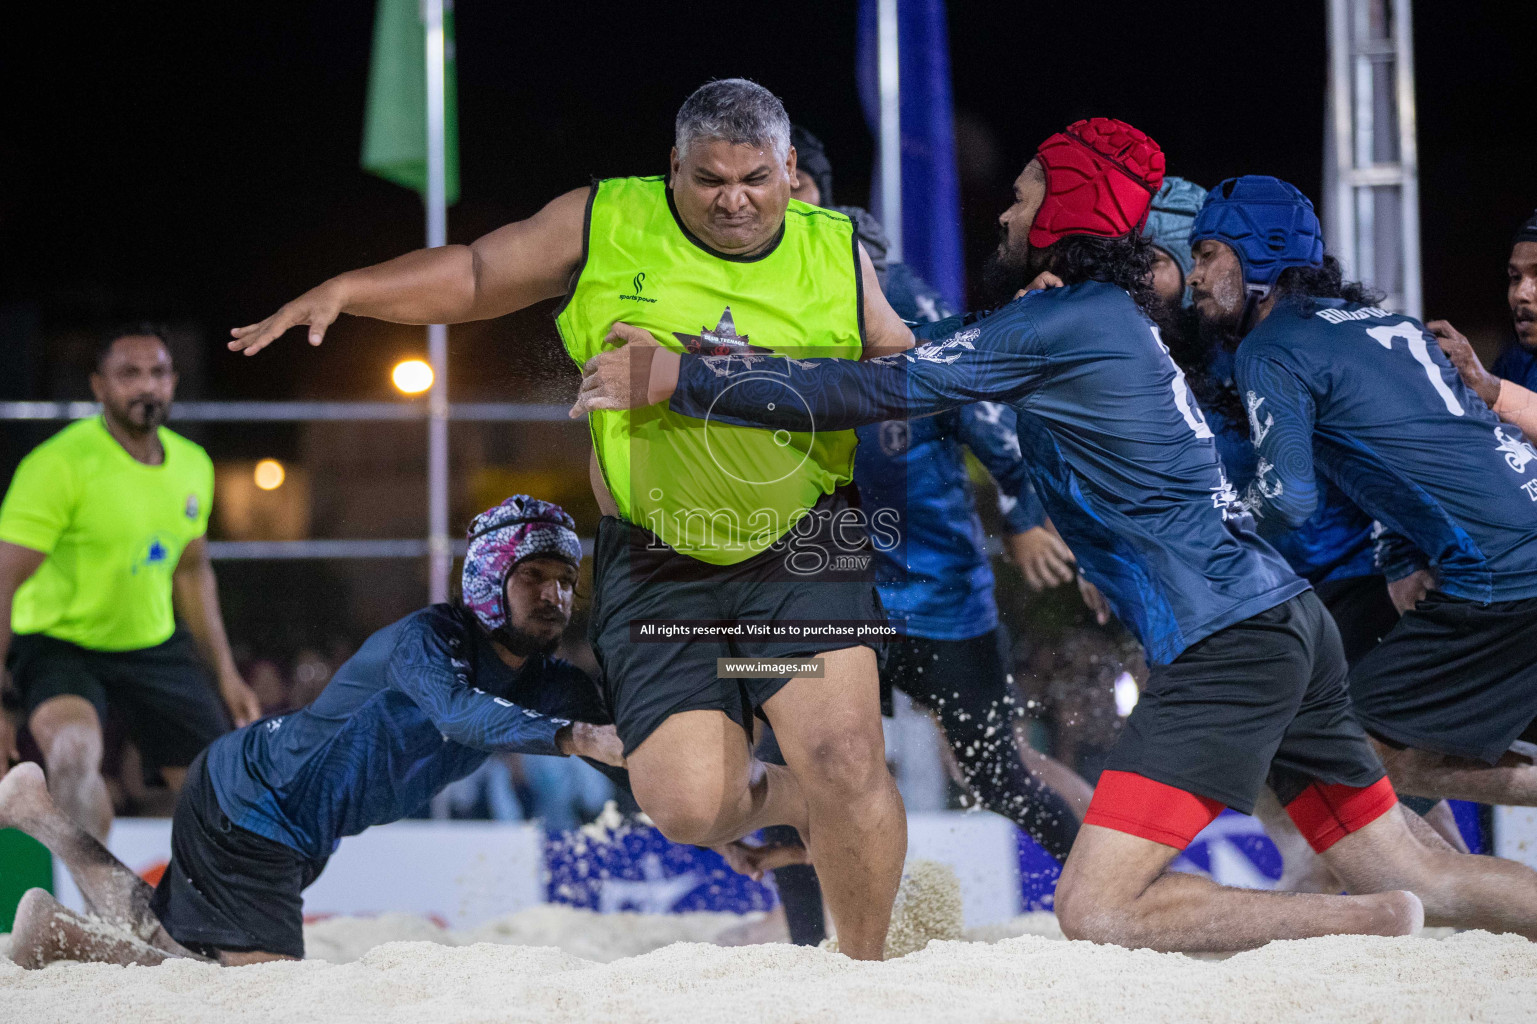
(199, 163)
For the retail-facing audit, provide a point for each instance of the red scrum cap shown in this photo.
(1100, 178)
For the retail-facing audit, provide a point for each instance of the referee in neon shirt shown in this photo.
(102, 545)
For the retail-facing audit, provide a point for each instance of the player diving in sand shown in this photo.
(424, 702)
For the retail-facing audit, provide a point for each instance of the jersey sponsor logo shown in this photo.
(1262, 490)
(992, 413)
(638, 284)
(1517, 450)
(720, 340)
(1226, 500)
(1342, 316)
(155, 553)
(1257, 429)
(192, 506)
(947, 351)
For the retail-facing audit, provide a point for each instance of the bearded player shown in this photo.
(424, 702)
(1247, 683)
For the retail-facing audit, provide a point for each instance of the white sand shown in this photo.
(519, 975)
(1469, 977)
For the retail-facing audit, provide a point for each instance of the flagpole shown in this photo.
(439, 551)
(889, 70)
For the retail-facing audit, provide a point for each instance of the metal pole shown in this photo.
(890, 64)
(1408, 155)
(1339, 198)
(439, 551)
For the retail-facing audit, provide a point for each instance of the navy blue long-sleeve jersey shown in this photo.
(1116, 446)
(423, 703)
(1518, 364)
(1338, 541)
(1368, 397)
(936, 580)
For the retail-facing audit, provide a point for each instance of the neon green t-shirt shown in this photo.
(113, 530)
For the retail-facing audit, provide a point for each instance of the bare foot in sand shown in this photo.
(24, 796)
(46, 932)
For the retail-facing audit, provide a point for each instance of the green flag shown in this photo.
(395, 122)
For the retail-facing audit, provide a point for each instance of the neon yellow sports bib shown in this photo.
(716, 492)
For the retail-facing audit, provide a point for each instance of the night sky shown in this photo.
(198, 163)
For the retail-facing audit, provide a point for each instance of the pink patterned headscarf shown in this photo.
(520, 527)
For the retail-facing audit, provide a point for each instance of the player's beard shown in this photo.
(524, 643)
(1217, 334)
(1180, 327)
(141, 415)
(1004, 273)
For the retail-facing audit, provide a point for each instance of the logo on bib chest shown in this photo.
(638, 284)
(191, 507)
(721, 340)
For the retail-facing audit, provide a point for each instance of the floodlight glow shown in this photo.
(269, 474)
(412, 376)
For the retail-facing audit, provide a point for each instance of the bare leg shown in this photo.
(46, 932)
(1512, 780)
(1115, 888)
(1302, 870)
(1439, 822)
(1457, 889)
(830, 733)
(112, 892)
(1058, 776)
(695, 777)
(69, 734)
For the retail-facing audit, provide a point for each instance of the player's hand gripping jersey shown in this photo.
(1368, 397)
(1118, 450)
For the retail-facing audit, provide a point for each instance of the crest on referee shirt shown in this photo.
(192, 506)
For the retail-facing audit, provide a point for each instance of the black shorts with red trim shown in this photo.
(1260, 702)
(1454, 676)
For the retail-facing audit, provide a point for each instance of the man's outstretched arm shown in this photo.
(514, 266)
(991, 360)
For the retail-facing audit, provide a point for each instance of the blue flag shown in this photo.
(931, 207)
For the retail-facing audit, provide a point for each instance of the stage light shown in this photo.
(269, 474)
(412, 376)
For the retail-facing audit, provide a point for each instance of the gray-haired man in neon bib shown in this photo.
(731, 526)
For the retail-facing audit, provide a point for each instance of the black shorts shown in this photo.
(226, 888)
(1454, 676)
(1362, 610)
(164, 693)
(637, 577)
(1262, 701)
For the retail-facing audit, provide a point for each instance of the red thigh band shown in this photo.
(1137, 805)
(1325, 813)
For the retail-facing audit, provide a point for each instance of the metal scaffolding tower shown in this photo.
(1371, 166)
